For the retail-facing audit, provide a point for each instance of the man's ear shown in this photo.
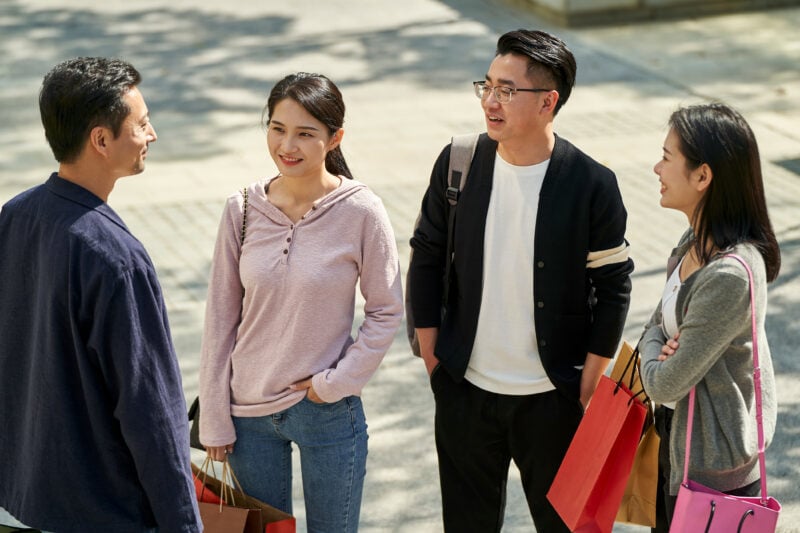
(98, 139)
(550, 101)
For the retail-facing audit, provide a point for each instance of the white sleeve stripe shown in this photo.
(608, 257)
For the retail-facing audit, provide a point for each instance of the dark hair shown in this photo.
(321, 98)
(80, 94)
(733, 209)
(548, 58)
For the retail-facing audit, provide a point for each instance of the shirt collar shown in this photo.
(80, 195)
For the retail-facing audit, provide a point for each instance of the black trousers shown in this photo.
(478, 433)
(665, 503)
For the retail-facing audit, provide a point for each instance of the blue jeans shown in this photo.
(332, 439)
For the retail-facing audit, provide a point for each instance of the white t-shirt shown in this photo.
(505, 358)
(669, 318)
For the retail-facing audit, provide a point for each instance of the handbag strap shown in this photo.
(226, 495)
(244, 220)
(757, 386)
(633, 365)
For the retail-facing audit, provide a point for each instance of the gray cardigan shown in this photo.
(715, 355)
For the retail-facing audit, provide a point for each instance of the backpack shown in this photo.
(461, 152)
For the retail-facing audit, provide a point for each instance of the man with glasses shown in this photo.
(539, 290)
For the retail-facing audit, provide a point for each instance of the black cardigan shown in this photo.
(578, 310)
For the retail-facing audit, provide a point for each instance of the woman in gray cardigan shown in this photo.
(700, 333)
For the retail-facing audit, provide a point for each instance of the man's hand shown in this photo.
(427, 343)
(430, 363)
(593, 368)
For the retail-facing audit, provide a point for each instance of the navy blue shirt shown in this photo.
(93, 427)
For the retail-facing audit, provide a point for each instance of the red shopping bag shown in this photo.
(591, 480)
(204, 494)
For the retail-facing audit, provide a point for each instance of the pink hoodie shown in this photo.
(285, 311)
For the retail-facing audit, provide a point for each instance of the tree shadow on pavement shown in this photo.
(198, 65)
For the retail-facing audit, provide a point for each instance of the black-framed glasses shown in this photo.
(502, 93)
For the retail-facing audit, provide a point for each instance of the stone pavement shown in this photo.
(405, 70)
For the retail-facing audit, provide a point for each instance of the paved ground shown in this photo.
(405, 68)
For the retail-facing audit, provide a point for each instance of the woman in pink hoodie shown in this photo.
(279, 364)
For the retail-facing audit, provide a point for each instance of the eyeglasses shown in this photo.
(502, 93)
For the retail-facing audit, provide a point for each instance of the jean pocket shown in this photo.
(309, 401)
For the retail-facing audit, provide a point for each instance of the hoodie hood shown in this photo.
(257, 199)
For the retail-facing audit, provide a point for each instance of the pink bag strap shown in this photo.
(757, 385)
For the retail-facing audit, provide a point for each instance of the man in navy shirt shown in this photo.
(94, 430)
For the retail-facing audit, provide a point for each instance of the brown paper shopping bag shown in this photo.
(639, 501)
(270, 519)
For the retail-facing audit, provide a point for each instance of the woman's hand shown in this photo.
(218, 453)
(670, 347)
(309, 388)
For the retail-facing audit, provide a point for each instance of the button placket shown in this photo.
(288, 243)
(292, 230)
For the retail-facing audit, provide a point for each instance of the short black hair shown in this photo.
(548, 57)
(80, 94)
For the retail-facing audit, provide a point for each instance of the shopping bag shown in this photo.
(202, 483)
(591, 480)
(624, 369)
(225, 515)
(639, 499)
(272, 520)
(219, 518)
(700, 508)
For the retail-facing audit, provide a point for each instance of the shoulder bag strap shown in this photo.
(462, 150)
(756, 384)
(244, 220)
